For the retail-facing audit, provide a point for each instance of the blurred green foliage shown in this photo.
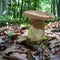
(16, 8)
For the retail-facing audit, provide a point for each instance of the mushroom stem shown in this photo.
(39, 24)
(36, 30)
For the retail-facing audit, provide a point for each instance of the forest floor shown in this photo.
(53, 33)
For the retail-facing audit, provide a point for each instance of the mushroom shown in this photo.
(37, 23)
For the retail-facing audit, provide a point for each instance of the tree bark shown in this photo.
(51, 7)
(21, 10)
(53, 1)
(29, 4)
(58, 9)
(34, 6)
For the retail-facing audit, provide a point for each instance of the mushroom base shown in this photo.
(35, 35)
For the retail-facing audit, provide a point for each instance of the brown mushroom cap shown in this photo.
(38, 15)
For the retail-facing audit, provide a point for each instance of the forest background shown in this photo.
(11, 11)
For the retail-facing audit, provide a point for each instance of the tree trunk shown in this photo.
(1, 7)
(4, 6)
(58, 9)
(18, 12)
(34, 6)
(9, 6)
(51, 7)
(29, 4)
(21, 10)
(53, 1)
(14, 11)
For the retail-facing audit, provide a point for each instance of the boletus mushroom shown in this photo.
(37, 23)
